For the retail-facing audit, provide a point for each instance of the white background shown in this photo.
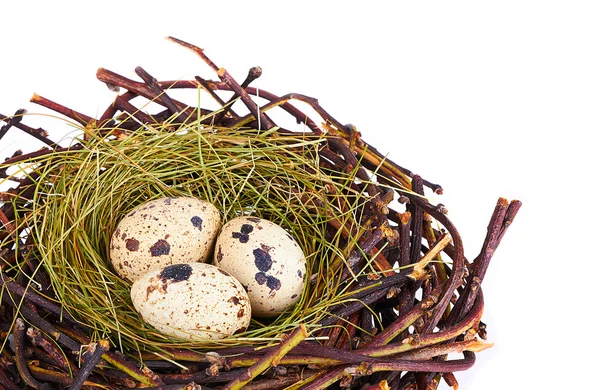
(486, 98)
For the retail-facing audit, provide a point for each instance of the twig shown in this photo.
(42, 324)
(353, 307)
(32, 296)
(427, 353)
(95, 351)
(199, 52)
(162, 97)
(188, 386)
(324, 379)
(5, 381)
(450, 380)
(254, 73)
(145, 377)
(501, 219)
(423, 366)
(53, 351)
(11, 121)
(19, 342)
(270, 359)
(69, 113)
(264, 121)
(405, 320)
(279, 382)
(39, 133)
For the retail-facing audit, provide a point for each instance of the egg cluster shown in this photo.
(162, 245)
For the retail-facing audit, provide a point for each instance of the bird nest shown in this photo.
(390, 301)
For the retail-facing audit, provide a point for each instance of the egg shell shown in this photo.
(195, 301)
(266, 259)
(161, 232)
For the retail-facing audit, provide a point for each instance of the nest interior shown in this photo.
(390, 294)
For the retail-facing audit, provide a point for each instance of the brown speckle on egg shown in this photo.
(197, 222)
(240, 236)
(261, 278)
(176, 273)
(160, 248)
(262, 260)
(132, 244)
(206, 312)
(164, 235)
(273, 283)
(219, 254)
(150, 289)
(265, 259)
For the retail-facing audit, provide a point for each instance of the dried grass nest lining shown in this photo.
(82, 193)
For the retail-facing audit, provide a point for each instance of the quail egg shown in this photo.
(161, 232)
(266, 259)
(195, 301)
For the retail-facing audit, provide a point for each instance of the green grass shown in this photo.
(82, 194)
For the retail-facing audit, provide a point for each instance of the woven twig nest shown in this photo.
(389, 300)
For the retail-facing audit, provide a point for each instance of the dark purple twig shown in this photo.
(91, 357)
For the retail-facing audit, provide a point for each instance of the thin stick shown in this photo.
(95, 351)
(502, 217)
(57, 355)
(270, 359)
(425, 366)
(161, 96)
(19, 340)
(69, 113)
(11, 121)
(38, 133)
(199, 52)
(326, 379)
(6, 381)
(419, 267)
(405, 320)
(254, 73)
(265, 122)
(42, 324)
(34, 297)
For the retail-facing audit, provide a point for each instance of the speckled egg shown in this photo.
(266, 259)
(161, 232)
(195, 301)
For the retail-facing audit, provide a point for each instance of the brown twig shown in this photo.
(19, 342)
(69, 113)
(254, 73)
(39, 133)
(270, 359)
(92, 356)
